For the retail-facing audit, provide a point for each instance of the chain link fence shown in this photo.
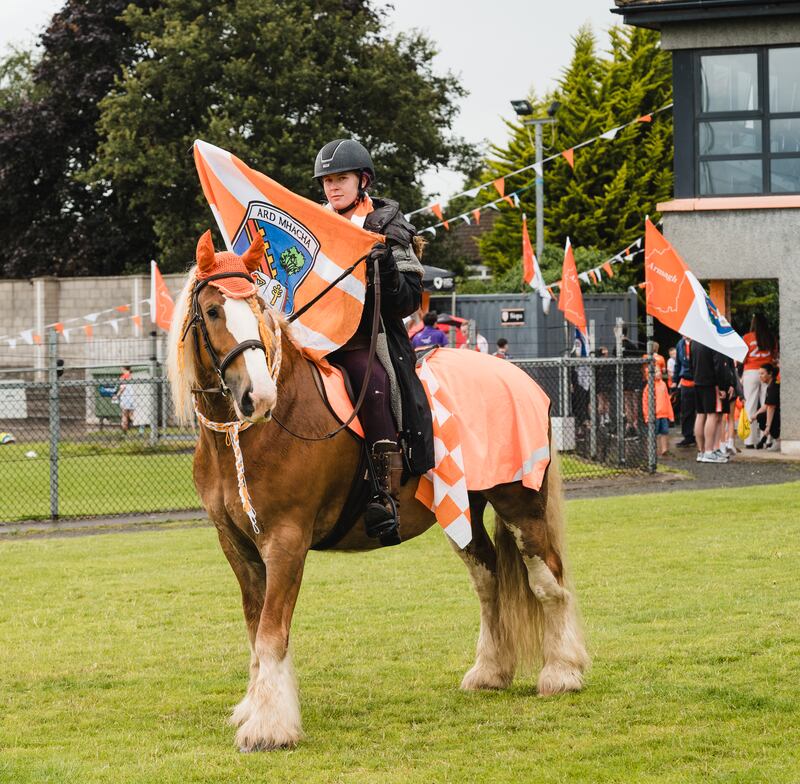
(86, 443)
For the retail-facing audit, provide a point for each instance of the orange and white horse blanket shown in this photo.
(491, 425)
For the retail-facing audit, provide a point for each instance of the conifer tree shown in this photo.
(602, 203)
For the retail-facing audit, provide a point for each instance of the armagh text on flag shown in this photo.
(306, 247)
(530, 268)
(675, 297)
(161, 304)
(570, 301)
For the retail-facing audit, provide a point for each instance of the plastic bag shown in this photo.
(743, 428)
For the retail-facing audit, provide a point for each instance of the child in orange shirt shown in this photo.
(664, 413)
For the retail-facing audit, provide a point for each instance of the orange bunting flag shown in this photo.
(162, 305)
(570, 301)
(569, 157)
(307, 247)
(37, 339)
(645, 118)
(89, 330)
(59, 327)
(122, 308)
(509, 201)
(137, 322)
(436, 209)
(500, 184)
(607, 268)
(593, 276)
(477, 215)
(675, 297)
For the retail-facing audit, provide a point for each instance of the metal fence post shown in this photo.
(651, 399)
(593, 412)
(55, 418)
(154, 388)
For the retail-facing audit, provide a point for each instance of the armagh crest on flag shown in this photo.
(675, 297)
(306, 247)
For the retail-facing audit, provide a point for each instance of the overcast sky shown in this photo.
(499, 49)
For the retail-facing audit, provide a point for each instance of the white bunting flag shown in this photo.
(115, 326)
(610, 134)
(584, 276)
(27, 336)
(12, 342)
(65, 333)
(91, 317)
(466, 219)
(472, 192)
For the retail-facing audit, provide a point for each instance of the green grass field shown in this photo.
(122, 654)
(109, 476)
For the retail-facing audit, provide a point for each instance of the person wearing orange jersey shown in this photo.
(664, 413)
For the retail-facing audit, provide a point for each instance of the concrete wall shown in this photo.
(731, 32)
(744, 244)
(32, 304)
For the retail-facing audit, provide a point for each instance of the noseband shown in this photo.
(220, 366)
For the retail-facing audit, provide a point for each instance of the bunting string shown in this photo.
(513, 198)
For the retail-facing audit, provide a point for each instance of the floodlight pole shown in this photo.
(537, 124)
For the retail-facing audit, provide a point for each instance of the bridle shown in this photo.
(232, 429)
(220, 366)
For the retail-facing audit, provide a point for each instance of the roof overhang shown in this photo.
(657, 13)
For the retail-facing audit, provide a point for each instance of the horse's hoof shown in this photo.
(253, 736)
(558, 680)
(481, 678)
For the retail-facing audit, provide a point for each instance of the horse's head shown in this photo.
(232, 349)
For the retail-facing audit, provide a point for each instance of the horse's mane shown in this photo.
(181, 367)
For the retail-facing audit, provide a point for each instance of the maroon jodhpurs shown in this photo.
(376, 411)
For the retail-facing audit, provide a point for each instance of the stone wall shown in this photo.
(33, 304)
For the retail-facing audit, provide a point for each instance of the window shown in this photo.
(747, 121)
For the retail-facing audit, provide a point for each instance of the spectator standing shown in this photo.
(126, 399)
(769, 414)
(762, 349)
(428, 336)
(672, 381)
(632, 382)
(685, 382)
(713, 387)
(664, 412)
(502, 349)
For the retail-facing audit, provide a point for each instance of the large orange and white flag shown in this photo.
(570, 300)
(161, 304)
(306, 247)
(675, 297)
(530, 268)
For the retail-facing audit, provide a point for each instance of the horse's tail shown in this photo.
(520, 612)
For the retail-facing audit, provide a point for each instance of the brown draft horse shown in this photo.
(527, 612)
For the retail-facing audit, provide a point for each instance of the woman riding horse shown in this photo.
(344, 169)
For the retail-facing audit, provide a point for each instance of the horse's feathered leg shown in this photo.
(530, 554)
(274, 720)
(494, 667)
(245, 560)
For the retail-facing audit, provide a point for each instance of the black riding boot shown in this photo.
(382, 518)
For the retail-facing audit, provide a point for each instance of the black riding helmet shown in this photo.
(343, 155)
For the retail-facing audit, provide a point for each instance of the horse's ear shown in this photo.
(253, 255)
(205, 253)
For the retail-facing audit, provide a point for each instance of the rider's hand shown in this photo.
(381, 256)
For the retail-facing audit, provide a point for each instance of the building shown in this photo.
(736, 210)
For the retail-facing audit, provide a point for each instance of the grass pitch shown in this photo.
(120, 656)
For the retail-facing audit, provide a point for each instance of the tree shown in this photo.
(271, 81)
(53, 223)
(602, 203)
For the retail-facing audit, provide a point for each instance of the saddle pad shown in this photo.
(490, 426)
(337, 396)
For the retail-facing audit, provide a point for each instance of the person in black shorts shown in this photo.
(712, 380)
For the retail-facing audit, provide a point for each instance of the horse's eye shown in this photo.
(212, 313)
